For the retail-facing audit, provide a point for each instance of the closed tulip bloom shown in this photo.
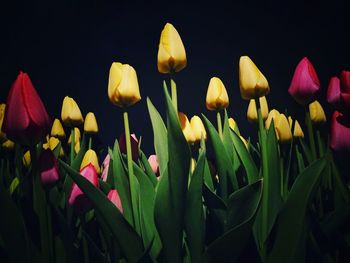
(282, 128)
(232, 124)
(123, 87)
(340, 133)
(186, 128)
(317, 114)
(77, 136)
(105, 167)
(153, 161)
(8, 145)
(217, 98)
(134, 146)
(252, 82)
(114, 197)
(271, 116)
(76, 197)
(57, 129)
(26, 159)
(2, 115)
(70, 113)
(26, 120)
(305, 83)
(298, 132)
(333, 92)
(90, 157)
(53, 143)
(198, 129)
(90, 124)
(252, 113)
(77, 147)
(171, 52)
(48, 168)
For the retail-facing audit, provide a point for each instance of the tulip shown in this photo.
(252, 82)
(105, 166)
(76, 197)
(344, 81)
(273, 114)
(70, 113)
(232, 124)
(298, 132)
(8, 145)
(26, 120)
(90, 157)
(57, 130)
(282, 129)
(198, 129)
(171, 52)
(114, 197)
(2, 114)
(340, 133)
(90, 124)
(317, 114)
(53, 143)
(252, 113)
(217, 98)
(26, 159)
(153, 161)
(76, 136)
(77, 147)
(48, 168)
(305, 83)
(186, 128)
(333, 92)
(134, 146)
(123, 87)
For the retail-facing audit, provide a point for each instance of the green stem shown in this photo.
(173, 93)
(311, 135)
(72, 144)
(132, 179)
(90, 142)
(320, 143)
(218, 117)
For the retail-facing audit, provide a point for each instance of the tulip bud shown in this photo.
(171, 52)
(186, 128)
(26, 120)
(252, 113)
(70, 113)
(333, 92)
(90, 157)
(76, 136)
(305, 83)
(252, 82)
(8, 145)
(272, 116)
(105, 166)
(282, 128)
(298, 132)
(90, 124)
(153, 161)
(317, 114)
(76, 197)
(134, 146)
(340, 133)
(57, 130)
(48, 168)
(217, 98)
(232, 124)
(26, 159)
(114, 197)
(123, 87)
(198, 129)
(2, 115)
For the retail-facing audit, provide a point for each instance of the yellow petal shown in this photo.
(26, 159)
(252, 113)
(186, 128)
(198, 128)
(217, 98)
(90, 124)
(271, 116)
(57, 129)
(70, 113)
(8, 145)
(283, 129)
(298, 132)
(317, 114)
(77, 147)
(232, 124)
(90, 157)
(76, 136)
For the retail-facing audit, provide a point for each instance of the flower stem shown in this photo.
(72, 144)
(90, 142)
(311, 135)
(218, 117)
(173, 93)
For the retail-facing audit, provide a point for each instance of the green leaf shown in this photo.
(171, 192)
(130, 242)
(148, 170)
(207, 176)
(306, 150)
(291, 220)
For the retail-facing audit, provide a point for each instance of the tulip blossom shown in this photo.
(105, 167)
(26, 120)
(153, 161)
(282, 129)
(76, 197)
(186, 128)
(90, 157)
(273, 114)
(90, 124)
(340, 133)
(52, 144)
(344, 81)
(26, 160)
(123, 87)
(252, 82)
(252, 113)
(114, 197)
(298, 132)
(77, 136)
(8, 145)
(2, 115)
(57, 130)
(134, 146)
(48, 168)
(317, 114)
(171, 52)
(333, 92)
(217, 98)
(198, 129)
(305, 83)
(345, 92)
(70, 113)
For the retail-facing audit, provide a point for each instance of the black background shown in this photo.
(67, 48)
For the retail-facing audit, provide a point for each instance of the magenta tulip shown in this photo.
(305, 83)
(345, 81)
(333, 92)
(340, 133)
(114, 197)
(26, 120)
(105, 166)
(153, 161)
(48, 168)
(134, 146)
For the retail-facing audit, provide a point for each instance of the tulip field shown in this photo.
(207, 194)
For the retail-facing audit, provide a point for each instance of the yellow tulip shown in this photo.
(186, 128)
(217, 98)
(171, 52)
(90, 157)
(272, 116)
(77, 147)
(198, 129)
(252, 113)
(193, 165)
(53, 143)
(2, 115)
(90, 124)
(252, 82)
(76, 136)
(26, 159)
(317, 114)
(57, 130)
(8, 145)
(282, 128)
(298, 132)
(70, 113)
(123, 87)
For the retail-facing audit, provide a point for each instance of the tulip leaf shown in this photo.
(122, 231)
(159, 135)
(207, 176)
(171, 191)
(148, 170)
(306, 150)
(291, 219)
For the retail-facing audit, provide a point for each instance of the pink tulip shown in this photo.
(48, 168)
(134, 146)
(305, 83)
(105, 166)
(114, 197)
(333, 92)
(76, 197)
(153, 161)
(340, 133)
(345, 81)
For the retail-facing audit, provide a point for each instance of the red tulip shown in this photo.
(345, 81)
(333, 92)
(48, 168)
(114, 197)
(305, 83)
(340, 132)
(134, 146)
(153, 161)
(26, 120)
(76, 197)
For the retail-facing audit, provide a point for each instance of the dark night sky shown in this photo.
(67, 48)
